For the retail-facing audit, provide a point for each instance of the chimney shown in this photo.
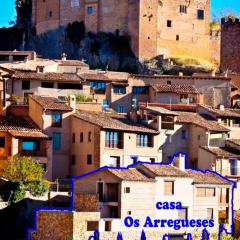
(180, 161)
(72, 102)
(64, 57)
(180, 74)
(221, 107)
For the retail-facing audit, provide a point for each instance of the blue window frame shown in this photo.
(90, 10)
(139, 90)
(121, 109)
(184, 134)
(29, 146)
(119, 90)
(56, 120)
(200, 14)
(143, 140)
(233, 167)
(56, 141)
(100, 86)
(112, 139)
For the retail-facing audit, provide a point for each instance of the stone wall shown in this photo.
(85, 202)
(230, 45)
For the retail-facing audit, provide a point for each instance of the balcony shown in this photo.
(167, 125)
(112, 144)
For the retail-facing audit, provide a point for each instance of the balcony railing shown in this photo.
(167, 125)
(32, 153)
(113, 144)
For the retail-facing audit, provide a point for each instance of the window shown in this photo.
(120, 109)
(200, 14)
(73, 138)
(177, 37)
(25, 84)
(127, 190)
(2, 142)
(108, 226)
(50, 14)
(112, 139)
(89, 159)
(74, 3)
(184, 134)
(183, 213)
(29, 146)
(143, 140)
(168, 187)
(81, 136)
(73, 86)
(119, 90)
(139, 90)
(90, 10)
(89, 136)
(169, 23)
(205, 192)
(116, 162)
(199, 137)
(73, 160)
(98, 86)
(233, 167)
(92, 226)
(56, 120)
(152, 160)
(56, 141)
(169, 83)
(129, 212)
(209, 213)
(47, 85)
(183, 9)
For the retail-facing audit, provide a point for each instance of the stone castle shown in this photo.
(171, 28)
(230, 45)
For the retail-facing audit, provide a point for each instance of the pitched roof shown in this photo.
(199, 177)
(234, 141)
(113, 121)
(227, 112)
(130, 174)
(21, 127)
(48, 76)
(175, 88)
(225, 152)
(51, 103)
(76, 63)
(160, 110)
(194, 118)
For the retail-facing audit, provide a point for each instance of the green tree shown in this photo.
(26, 174)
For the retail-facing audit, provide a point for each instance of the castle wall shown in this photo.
(230, 45)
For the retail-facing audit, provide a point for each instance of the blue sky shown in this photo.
(7, 9)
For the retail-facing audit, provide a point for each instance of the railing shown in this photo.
(112, 144)
(32, 153)
(167, 125)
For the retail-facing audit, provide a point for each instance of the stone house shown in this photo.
(111, 195)
(224, 160)
(155, 27)
(174, 94)
(228, 117)
(53, 118)
(19, 137)
(109, 139)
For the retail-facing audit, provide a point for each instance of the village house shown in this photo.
(228, 117)
(224, 160)
(53, 118)
(104, 198)
(109, 139)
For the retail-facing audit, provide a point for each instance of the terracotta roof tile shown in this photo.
(113, 121)
(130, 174)
(194, 118)
(21, 127)
(48, 76)
(160, 110)
(76, 63)
(234, 141)
(51, 103)
(173, 88)
(161, 170)
(227, 112)
(225, 152)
